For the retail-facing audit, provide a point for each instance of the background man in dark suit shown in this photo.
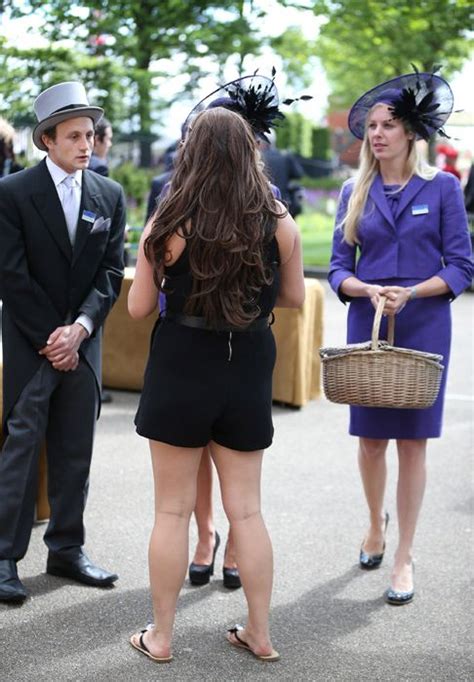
(282, 168)
(61, 268)
(99, 163)
(102, 143)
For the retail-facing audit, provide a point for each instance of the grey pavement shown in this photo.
(329, 620)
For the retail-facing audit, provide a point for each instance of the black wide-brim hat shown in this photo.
(59, 103)
(254, 97)
(424, 101)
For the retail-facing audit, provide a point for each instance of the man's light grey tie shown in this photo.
(71, 200)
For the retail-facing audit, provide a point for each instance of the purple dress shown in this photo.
(423, 324)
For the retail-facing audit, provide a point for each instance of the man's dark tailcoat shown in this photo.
(44, 281)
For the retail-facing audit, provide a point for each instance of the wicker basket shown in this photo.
(377, 374)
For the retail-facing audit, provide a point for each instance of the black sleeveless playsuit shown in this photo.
(202, 385)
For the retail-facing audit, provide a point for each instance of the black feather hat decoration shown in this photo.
(424, 101)
(254, 97)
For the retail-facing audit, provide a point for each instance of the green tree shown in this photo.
(130, 46)
(24, 72)
(365, 42)
(298, 56)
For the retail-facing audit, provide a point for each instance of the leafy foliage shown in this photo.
(298, 134)
(365, 42)
(136, 183)
(126, 50)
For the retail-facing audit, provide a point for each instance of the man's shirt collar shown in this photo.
(58, 174)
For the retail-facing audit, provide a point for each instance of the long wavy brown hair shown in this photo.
(221, 202)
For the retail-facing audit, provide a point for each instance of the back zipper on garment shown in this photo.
(229, 343)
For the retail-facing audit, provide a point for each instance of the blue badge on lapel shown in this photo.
(88, 216)
(421, 209)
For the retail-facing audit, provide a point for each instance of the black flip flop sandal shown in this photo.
(137, 642)
(238, 642)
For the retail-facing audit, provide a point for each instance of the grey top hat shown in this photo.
(59, 103)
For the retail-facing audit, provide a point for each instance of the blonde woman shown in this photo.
(401, 232)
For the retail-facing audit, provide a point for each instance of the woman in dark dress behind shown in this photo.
(225, 252)
(401, 232)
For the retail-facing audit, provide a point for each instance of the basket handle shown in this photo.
(376, 325)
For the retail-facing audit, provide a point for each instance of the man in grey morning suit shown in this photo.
(61, 268)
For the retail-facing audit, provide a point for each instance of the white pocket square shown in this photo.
(101, 225)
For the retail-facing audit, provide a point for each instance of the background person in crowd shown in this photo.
(469, 192)
(401, 233)
(242, 96)
(450, 160)
(208, 378)
(158, 184)
(8, 163)
(102, 144)
(99, 163)
(231, 96)
(61, 268)
(282, 168)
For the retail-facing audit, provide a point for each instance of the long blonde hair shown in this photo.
(368, 169)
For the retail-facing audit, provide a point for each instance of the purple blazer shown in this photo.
(428, 236)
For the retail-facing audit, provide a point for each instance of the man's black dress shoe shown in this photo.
(231, 578)
(79, 568)
(200, 574)
(11, 588)
(371, 561)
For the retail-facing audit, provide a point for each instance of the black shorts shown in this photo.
(203, 385)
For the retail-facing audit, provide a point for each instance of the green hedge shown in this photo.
(299, 135)
(327, 182)
(135, 181)
(316, 233)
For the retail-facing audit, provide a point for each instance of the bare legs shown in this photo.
(205, 520)
(174, 472)
(410, 490)
(373, 471)
(239, 475)
(203, 512)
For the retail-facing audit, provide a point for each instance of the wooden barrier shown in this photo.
(298, 335)
(296, 378)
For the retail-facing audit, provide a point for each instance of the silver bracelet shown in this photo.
(413, 293)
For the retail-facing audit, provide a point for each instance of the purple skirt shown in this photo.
(424, 324)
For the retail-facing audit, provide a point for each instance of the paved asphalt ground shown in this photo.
(329, 620)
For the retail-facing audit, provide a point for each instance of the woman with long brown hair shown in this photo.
(224, 252)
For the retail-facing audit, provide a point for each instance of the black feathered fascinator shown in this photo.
(254, 97)
(424, 101)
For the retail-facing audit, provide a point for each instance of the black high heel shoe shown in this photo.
(371, 561)
(398, 597)
(231, 578)
(200, 574)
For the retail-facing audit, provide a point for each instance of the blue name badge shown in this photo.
(88, 216)
(421, 209)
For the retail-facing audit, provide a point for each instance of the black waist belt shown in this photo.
(201, 323)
